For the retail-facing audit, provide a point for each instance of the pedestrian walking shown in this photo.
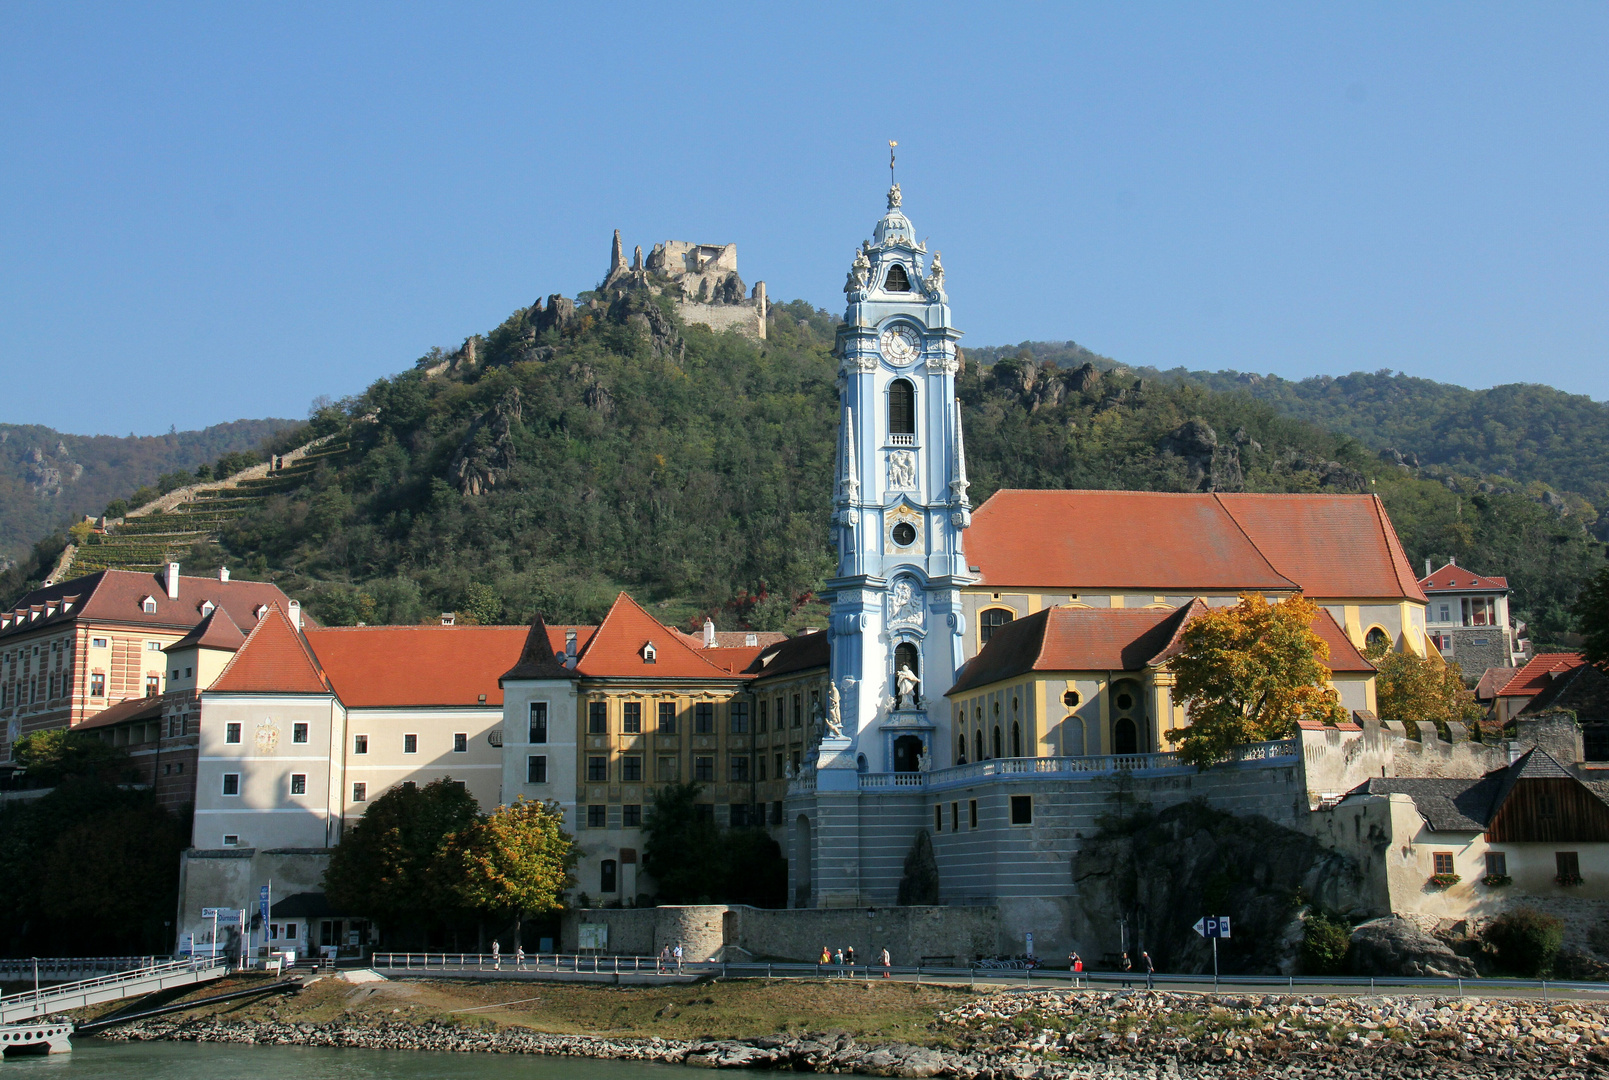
(838, 961)
(519, 958)
(1075, 964)
(885, 960)
(849, 958)
(676, 954)
(1127, 966)
(826, 957)
(1150, 969)
(497, 955)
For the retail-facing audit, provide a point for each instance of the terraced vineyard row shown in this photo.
(150, 540)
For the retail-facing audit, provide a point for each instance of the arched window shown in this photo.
(1376, 640)
(1125, 737)
(606, 877)
(977, 744)
(1072, 740)
(960, 749)
(1016, 739)
(999, 750)
(898, 280)
(901, 407)
(991, 620)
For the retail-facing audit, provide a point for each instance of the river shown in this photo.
(93, 1059)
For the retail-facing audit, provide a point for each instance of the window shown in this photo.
(1442, 862)
(360, 744)
(175, 674)
(97, 643)
(993, 619)
(704, 718)
(1446, 614)
(938, 817)
(597, 816)
(898, 280)
(631, 768)
(1016, 739)
(704, 767)
(738, 712)
(298, 733)
(649, 653)
(606, 877)
(798, 710)
(231, 839)
(955, 817)
(972, 813)
(737, 815)
(668, 768)
(231, 783)
(410, 744)
(631, 718)
(759, 766)
(760, 720)
(703, 811)
(298, 783)
(739, 771)
(1376, 638)
(148, 605)
(1568, 864)
(207, 608)
(598, 718)
(460, 742)
(795, 757)
(631, 815)
(188, 672)
(901, 407)
(999, 749)
(1071, 699)
(360, 792)
(667, 718)
(153, 646)
(1125, 737)
(977, 745)
(153, 685)
(781, 772)
(231, 733)
(536, 769)
(597, 769)
(960, 749)
(1022, 809)
(1497, 864)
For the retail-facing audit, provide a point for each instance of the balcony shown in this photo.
(898, 439)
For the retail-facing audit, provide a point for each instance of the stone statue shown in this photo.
(835, 718)
(905, 681)
(903, 605)
(924, 761)
(894, 197)
(789, 771)
(935, 276)
(902, 470)
(859, 273)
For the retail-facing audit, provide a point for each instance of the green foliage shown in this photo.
(1525, 941)
(60, 754)
(695, 861)
(1592, 614)
(515, 860)
(1325, 942)
(387, 865)
(1421, 690)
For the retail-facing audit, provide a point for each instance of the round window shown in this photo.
(1071, 697)
(904, 534)
(1124, 701)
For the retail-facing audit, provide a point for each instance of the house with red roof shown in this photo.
(1468, 619)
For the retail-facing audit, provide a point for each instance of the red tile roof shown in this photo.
(1344, 656)
(733, 660)
(1329, 546)
(117, 596)
(146, 708)
(1492, 680)
(274, 660)
(396, 666)
(1455, 578)
(216, 631)
(543, 654)
(615, 651)
(801, 653)
(1535, 676)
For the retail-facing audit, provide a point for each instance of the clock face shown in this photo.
(899, 344)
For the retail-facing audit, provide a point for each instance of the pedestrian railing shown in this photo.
(59, 967)
(985, 972)
(108, 987)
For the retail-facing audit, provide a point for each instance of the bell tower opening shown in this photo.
(901, 407)
(898, 280)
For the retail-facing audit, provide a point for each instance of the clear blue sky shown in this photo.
(223, 210)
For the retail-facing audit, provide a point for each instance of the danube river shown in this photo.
(92, 1059)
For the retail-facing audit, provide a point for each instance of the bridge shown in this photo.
(149, 979)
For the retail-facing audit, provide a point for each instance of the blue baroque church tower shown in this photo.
(900, 509)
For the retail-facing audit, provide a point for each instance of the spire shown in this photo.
(959, 485)
(849, 477)
(617, 256)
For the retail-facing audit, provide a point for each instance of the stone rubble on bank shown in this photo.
(1046, 1035)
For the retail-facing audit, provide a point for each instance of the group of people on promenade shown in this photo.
(1075, 964)
(844, 961)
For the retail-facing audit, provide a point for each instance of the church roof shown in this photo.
(421, 666)
(273, 660)
(1328, 546)
(618, 648)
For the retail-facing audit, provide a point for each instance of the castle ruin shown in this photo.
(702, 279)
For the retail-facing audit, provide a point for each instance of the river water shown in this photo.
(92, 1059)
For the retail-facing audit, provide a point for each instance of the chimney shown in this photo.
(709, 633)
(223, 573)
(1427, 566)
(295, 612)
(569, 647)
(1451, 561)
(173, 581)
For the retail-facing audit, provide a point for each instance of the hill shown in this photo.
(49, 478)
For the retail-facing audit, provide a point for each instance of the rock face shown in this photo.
(1212, 467)
(1394, 946)
(486, 453)
(558, 314)
(920, 883)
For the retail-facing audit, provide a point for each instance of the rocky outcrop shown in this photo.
(559, 314)
(486, 453)
(1394, 946)
(1210, 466)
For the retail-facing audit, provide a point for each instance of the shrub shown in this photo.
(1325, 942)
(1444, 881)
(1524, 941)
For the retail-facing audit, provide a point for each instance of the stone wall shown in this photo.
(1337, 759)
(746, 318)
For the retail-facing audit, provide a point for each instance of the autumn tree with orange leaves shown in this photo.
(1249, 673)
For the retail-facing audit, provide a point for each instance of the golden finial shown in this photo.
(891, 144)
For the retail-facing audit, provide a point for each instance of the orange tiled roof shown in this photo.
(118, 595)
(1531, 679)
(146, 708)
(216, 631)
(1344, 656)
(1455, 578)
(615, 651)
(801, 653)
(274, 660)
(394, 666)
(1334, 546)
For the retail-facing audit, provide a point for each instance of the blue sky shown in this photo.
(215, 211)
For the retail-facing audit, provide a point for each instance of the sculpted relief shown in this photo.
(902, 470)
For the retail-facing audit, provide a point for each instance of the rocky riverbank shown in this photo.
(1053, 1034)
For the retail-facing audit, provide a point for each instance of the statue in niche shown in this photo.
(835, 716)
(924, 761)
(902, 470)
(905, 686)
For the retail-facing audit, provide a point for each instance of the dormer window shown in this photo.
(148, 605)
(261, 610)
(649, 653)
(207, 608)
(898, 280)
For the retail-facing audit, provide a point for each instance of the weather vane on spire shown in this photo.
(893, 187)
(891, 144)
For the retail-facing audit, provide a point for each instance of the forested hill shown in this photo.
(1515, 435)
(48, 478)
(570, 453)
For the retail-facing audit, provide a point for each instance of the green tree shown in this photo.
(1325, 943)
(515, 861)
(1525, 941)
(1592, 615)
(1413, 689)
(682, 846)
(1248, 673)
(52, 756)
(386, 865)
(482, 605)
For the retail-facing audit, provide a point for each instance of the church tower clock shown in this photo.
(900, 506)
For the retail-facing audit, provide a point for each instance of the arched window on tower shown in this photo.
(960, 749)
(1376, 640)
(977, 744)
(906, 656)
(898, 280)
(901, 407)
(999, 751)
